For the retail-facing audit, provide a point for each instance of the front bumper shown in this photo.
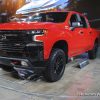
(32, 55)
(25, 72)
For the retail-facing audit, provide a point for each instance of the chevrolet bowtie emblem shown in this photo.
(3, 37)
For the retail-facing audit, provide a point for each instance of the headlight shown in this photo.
(36, 33)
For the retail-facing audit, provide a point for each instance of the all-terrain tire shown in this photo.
(56, 66)
(92, 53)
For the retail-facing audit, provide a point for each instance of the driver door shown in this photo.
(77, 36)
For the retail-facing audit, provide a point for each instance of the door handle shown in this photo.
(81, 32)
(90, 32)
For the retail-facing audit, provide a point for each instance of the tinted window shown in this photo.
(83, 22)
(73, 19)
(56, 17)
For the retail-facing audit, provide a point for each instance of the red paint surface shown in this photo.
(77, 43)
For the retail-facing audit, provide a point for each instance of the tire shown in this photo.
(92, 53)
(56, 66)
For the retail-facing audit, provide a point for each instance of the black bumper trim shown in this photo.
(30, 66)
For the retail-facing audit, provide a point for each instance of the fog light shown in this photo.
(23, 63)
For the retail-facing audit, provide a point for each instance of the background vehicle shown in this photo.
(44, 42)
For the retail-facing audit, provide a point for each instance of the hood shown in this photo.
(26, 26)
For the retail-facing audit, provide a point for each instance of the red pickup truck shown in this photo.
(43, 42)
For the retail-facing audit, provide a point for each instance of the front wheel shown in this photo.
(56, 66)
(92, 53)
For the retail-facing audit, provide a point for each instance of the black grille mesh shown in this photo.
(13, 41)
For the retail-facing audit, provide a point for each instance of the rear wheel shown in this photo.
(56, 66)
(92, 53)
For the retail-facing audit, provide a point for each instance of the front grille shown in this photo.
(13, 41)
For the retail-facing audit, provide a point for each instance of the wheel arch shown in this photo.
(61, 44)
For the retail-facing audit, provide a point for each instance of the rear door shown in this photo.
(86, 35)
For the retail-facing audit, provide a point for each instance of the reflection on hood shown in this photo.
(42, 5)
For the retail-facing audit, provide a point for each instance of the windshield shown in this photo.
(56, 17)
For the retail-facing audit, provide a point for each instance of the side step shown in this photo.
(82, 63)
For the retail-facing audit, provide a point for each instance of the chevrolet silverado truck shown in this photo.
(43, 42)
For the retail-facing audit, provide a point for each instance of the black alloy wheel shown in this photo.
(56, 66)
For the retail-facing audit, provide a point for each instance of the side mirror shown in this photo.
(76, 24)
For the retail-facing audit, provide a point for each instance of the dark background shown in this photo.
(90, 7)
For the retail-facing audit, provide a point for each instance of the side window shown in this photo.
(83, 22)
(73, 19)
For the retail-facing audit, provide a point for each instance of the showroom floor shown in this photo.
(77, 83)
